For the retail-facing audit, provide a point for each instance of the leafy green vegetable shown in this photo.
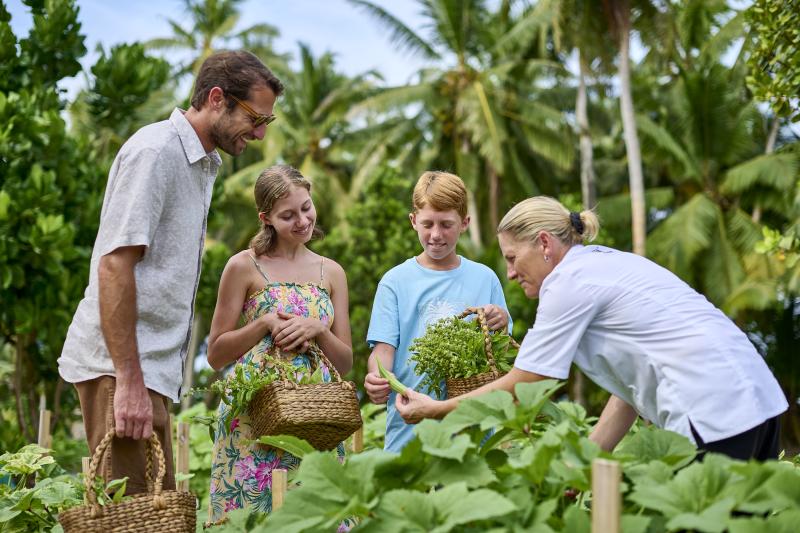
(454, 348)
(244, 381)
(394, 383)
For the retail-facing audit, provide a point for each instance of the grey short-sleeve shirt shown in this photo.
(158, 194)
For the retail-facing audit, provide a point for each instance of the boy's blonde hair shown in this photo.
(440, 191)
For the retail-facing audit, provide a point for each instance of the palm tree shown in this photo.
(618, 13)
(477, 105)
(211, 27)
(314, 135)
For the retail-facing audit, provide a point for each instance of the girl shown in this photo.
(287, 297)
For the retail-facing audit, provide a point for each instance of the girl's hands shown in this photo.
(292, 333)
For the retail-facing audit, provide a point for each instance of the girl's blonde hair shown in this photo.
(272, 185)
(541, 213)
(440, 191)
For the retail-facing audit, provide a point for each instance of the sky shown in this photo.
(324, 25)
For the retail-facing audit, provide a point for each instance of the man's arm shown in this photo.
(615, 421)
(133, 410)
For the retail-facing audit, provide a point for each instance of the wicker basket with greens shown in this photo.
(461, 353)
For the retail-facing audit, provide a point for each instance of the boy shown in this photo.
(435, 284)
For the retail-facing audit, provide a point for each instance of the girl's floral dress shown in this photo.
(241, 475)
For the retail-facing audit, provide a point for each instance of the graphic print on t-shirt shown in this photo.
(437, 309)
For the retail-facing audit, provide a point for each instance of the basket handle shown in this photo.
(487, 340)
(153, 448)
(316, 350)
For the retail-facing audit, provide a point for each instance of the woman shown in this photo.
(287, 297)
(660, 348)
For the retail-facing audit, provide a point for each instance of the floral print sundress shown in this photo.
(241, 475)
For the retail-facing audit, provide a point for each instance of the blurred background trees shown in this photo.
(517, 97)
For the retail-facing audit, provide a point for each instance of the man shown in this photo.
(126, 345)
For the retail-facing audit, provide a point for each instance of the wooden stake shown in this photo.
(358, 440)
(606, 499)
(279, 486)
(45, 441)
(182, 463)
(85, 462)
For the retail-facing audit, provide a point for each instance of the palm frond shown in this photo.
(677, 241)
(750, 295)
(400, 34)
(668, 146)
(720, 42)
(777, 170)
(721, 269)
(394, 98)
(532, 26)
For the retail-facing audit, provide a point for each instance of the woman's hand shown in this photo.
(496, 317)
(293, 332)
(414, 406)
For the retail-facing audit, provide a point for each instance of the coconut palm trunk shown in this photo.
(621, 14)
(588, 184)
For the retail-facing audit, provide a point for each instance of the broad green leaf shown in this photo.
(710, 520)
(294, 445)
(651, 443)
(486, 411)
(635, 523)
(5, 201)
(534, 395)
(577, 520)
(456, 505)
(438, 440)
(406, 510)
(473, 470)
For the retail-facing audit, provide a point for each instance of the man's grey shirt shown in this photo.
(158, 193)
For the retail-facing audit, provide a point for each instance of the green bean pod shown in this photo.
(394, 383)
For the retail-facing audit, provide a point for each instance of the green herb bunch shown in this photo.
(239, 387)
(454, 348)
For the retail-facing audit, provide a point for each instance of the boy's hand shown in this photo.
(496, 317)
(377, 388)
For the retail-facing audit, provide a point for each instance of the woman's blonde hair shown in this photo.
(541, 213)
(440, 191)
(272, 185)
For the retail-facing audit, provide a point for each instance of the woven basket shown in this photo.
(459, 386)
(324, 414)
(155, 510)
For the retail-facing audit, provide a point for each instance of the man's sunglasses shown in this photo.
(257, 118)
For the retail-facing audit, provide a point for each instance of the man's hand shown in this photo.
(496, 317)
(377, 388)
(133, 410)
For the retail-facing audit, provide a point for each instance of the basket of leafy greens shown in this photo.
(323, 413)
(461, 353)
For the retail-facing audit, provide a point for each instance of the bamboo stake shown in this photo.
(85, 462)
(358, 440)
(182, 463)
(45, 440)
(279, 485)
(606, 499)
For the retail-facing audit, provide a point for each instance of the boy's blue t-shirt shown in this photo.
(409, 297)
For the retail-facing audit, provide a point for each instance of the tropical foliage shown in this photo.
(517, 97)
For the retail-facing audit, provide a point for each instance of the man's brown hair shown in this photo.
(235, 72)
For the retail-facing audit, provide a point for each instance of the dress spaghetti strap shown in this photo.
(259, 268)
(321, 271)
